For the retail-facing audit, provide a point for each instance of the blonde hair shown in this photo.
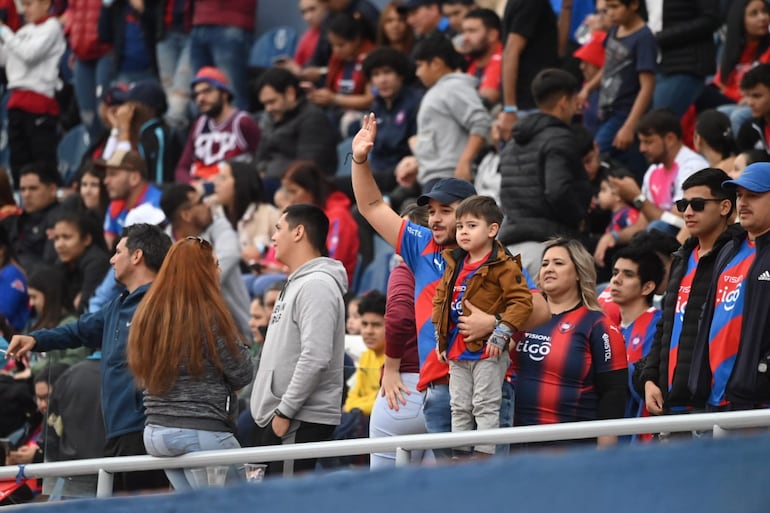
(584, 268)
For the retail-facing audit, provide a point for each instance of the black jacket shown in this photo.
(30, 240)
(746, 387)
(656, 367)
(544, 188)
(686, 42)
(304, 133)
(751, 135)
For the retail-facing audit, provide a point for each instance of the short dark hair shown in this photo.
(483, 207)
(372, 302)
(279, 79)
(173, 198)
(660, 122)
(551, 84)
(661, 243)
(387, 57)
(758, 75)
(151, 240)
(755, 155)
(347, 27)
(437, 46)
(45, 170)
(488, 18)
(649, 263)
(315, 222)
(712, 178)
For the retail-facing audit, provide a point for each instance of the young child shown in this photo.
(31, 58)
(480, 272)
(623, 214)
(371, 308)
(628, 77)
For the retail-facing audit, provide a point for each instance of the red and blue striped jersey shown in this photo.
(456, 349)
(683, 296)
(423, 256)
(726, 324)
(623, 218)
(638, 336)
(556, 365)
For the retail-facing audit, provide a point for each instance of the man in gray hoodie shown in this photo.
(297, 393)
(452, 123)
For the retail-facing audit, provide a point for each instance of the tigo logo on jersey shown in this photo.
(537, 349)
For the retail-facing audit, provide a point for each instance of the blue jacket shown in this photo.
(106, 329)
(746, 387)
(395, 125)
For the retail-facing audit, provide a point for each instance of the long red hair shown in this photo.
(180, 318)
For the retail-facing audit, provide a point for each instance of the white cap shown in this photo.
(144, 213)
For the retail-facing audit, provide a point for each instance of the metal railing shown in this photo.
(402, 445)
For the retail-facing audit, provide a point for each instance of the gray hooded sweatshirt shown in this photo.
(449, 113)
(300, 371)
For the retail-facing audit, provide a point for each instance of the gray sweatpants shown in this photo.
(475, 388)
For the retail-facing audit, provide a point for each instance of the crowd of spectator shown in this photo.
(585, 191)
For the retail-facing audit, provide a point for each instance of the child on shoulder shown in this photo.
(480, 272)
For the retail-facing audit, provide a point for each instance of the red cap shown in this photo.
(593, 51)
(214, 77)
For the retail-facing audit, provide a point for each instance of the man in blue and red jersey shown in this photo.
(732, 352)
(126, 183)
(421, 249)
(636, 274)
(708, 212)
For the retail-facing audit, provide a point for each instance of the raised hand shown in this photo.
(363, 142)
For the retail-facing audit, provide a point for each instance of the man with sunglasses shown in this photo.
(731, 361)
(708, 213)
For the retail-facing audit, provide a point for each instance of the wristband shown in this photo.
(639, 201)
(281, 415)
(510, 109)
(615, 235)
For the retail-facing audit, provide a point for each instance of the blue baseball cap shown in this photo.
(755, 178)
(447, 191)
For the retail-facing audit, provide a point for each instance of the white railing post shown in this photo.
(403, 457)
(104, 483)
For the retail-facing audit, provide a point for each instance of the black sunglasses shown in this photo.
(697, 204)
(200, 240)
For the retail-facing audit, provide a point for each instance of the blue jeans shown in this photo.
(168, 441)
(173, 55)
(227, 48)
(631, 157)
(438, 414)
(738, 115)
(91, 78)
(676, 92)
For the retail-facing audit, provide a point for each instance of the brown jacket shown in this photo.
(497, 287)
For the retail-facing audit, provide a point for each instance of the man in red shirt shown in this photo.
(481, 32)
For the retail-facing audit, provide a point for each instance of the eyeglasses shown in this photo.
(697, 204)
(200, 240)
